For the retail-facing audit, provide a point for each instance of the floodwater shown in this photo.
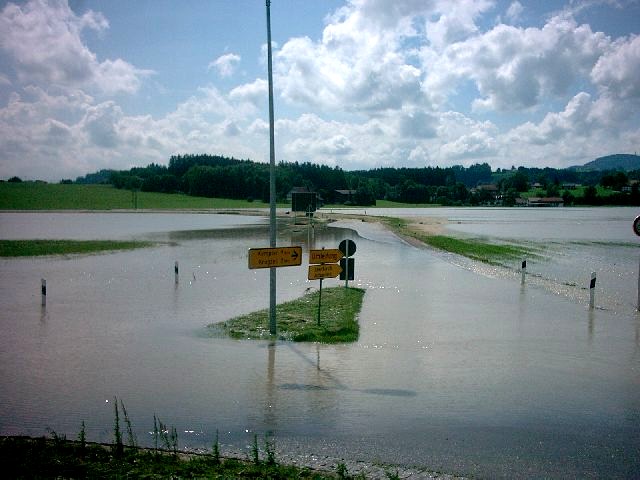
(458, 367)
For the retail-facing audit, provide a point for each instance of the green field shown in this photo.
(45, 196)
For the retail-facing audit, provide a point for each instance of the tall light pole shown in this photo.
(272, 181)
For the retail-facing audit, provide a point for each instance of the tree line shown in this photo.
(224, 177)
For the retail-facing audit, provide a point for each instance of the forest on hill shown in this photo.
(223, 177)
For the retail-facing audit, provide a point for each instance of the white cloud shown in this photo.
(225, 64)
(409, 82)
(618, 71)
(253, 93)
(356, 66)
(43, 41)
(518, 68)
(101, 124)
(456, 22)
(514, 12)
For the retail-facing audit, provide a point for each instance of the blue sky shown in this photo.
(87, 84)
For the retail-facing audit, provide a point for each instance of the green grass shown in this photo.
(391, 204)
(44, 196)
(32, 248)
(298, 319)
(381, 204)
(471, 248)
(23, 457)
(476, 249)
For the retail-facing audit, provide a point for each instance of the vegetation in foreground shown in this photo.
(298, 319)
(57, 457)
(474, 249)
(32, 248)
(24, 457)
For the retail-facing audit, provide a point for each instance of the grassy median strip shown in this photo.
(298, 319)
(475, 249)
(33, 248)
(469, 247)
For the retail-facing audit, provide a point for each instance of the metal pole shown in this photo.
(346, 269)
(272, 181)
(319, 302)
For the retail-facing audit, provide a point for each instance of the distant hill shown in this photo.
(618, 161)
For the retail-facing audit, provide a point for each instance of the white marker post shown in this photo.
(592, 290)
(176, 271)
(43, 290)
(523, 270)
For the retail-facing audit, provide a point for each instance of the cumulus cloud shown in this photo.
(408, 82)
(226, 64)
(514, 12)
(456, 22)
(253, 93)
(618, 70)
(42, 39)
(517, 68)
(356, 66)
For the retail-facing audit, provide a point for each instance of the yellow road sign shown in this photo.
(326, 270)
(330, 255)
(275, 257)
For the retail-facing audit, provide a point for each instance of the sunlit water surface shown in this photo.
(456, 369)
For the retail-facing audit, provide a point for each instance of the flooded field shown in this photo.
(458, 368)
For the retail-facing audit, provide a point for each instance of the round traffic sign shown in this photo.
(347, 247)
(636, 225)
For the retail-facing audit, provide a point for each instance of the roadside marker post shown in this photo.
(592, 289)
(176, 272)
(524, 271)
(43, 291)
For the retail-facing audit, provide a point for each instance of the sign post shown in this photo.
(321, 266)
(272, 178)
(636, 229)
(319, 301)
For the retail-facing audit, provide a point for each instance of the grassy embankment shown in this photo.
(475, 249)
(298, 319)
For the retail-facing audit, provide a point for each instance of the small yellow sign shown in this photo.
(275, 257)
(326, 270)
(329, 255)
